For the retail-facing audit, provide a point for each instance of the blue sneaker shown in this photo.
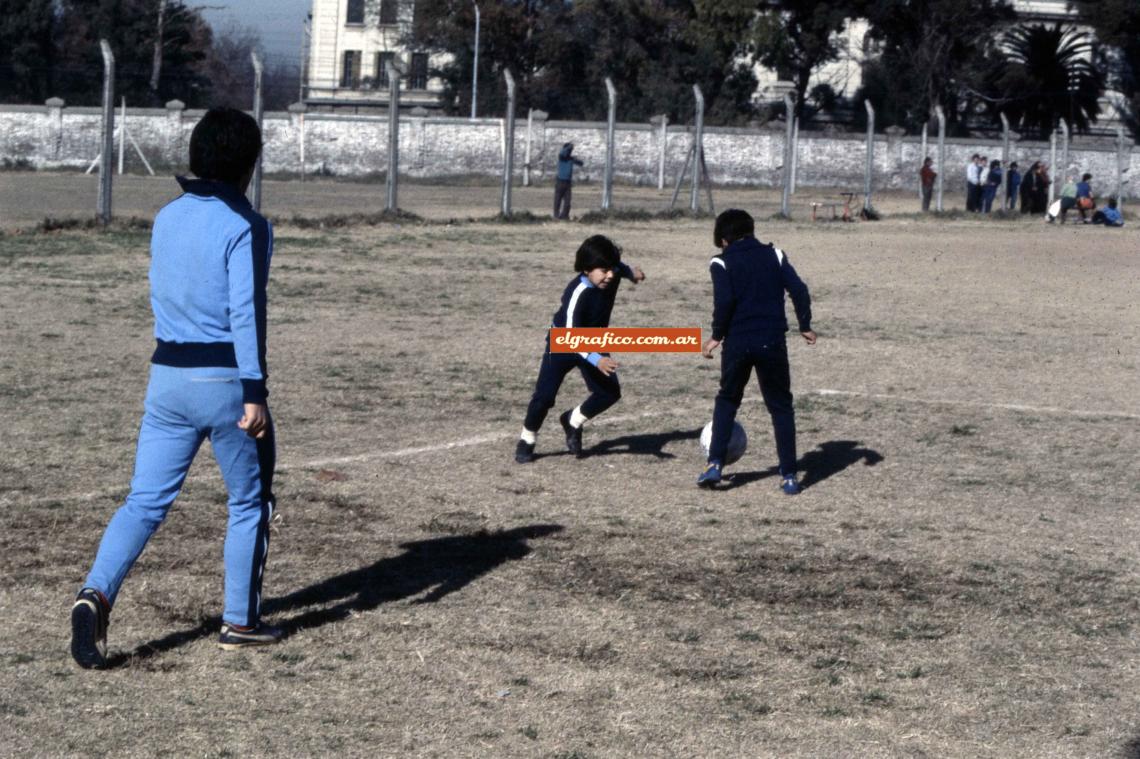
(711, 476)
(789, 485)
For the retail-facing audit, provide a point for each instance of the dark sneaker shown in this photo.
(233, 637)
(573, 435)
(711, 476)
(524, 452)
(789, 485)
(89, 618)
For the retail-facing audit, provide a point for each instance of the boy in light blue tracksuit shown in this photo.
(210, 254)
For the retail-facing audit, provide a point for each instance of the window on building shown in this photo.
(388, 11)
(355, 12)
(419, 75)
(382, 61)
(350, 74)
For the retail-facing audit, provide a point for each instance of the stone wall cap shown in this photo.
(175, 105)
(538, 115)
(895, 131)
(297, 108)
(418, 112)
(54, 103)
(659, 119)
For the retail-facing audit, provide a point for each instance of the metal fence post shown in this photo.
(870, 155)
(1053, 163)
(393, 203)
(1121, 157)
(107, 135)
(661, 153)
(255, 185)
(1065, 145)
(795, 152)
(526, 149)
(922, 156)
(941, 116)
(698, 148)
(611, 120)
(1004, 161)
(509, 147)
(789, 128)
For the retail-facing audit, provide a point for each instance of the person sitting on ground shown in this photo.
(1109, 216)
(1068, 200)
(1085, 202)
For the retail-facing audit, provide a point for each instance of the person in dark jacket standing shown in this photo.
(564, 181)
(749, 281)
(209, 267)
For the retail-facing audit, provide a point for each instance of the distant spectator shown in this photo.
(1011, 188)
(1068, 200)
(973, 183)
(927, 175)
(1029, 187)
(564, 181)
(1109, 216)
(1086, 204)
(993, 182)
(1041, 189)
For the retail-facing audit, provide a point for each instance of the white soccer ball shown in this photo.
(737, 444)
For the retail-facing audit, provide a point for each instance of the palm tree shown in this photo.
(1051, 76)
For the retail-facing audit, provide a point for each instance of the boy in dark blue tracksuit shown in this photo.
(210, 255)
(587, 302)
(749, 280)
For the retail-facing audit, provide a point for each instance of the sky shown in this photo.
(279, 23)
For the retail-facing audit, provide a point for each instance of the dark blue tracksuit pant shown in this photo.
(604, 391)
(770, 360)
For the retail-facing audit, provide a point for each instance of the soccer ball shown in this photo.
(737, 444)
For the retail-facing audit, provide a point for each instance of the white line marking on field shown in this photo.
(608, 421)
(493, 438)
(1003, 406)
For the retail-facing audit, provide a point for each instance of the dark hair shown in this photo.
(1112, 202)
(995, 163)
(1086, 177)
(1013, 165)
(224, 145)
(733, 225)
(597, 252)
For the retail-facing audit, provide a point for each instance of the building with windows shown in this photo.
(350, 46)
(845, 74)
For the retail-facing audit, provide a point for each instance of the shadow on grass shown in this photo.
(652, 444)
(435, 568)
(817, 465)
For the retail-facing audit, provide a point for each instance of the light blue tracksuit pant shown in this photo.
(185, 406)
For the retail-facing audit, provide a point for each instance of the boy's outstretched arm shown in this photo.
(801, 299)
(632, 273)
(723, 305)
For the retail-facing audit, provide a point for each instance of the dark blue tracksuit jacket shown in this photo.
(749, 280)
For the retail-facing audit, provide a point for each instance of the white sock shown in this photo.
(576, 417)
(528, 437)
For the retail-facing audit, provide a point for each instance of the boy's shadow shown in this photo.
(817, 464)
(434, 567)
(652, 444)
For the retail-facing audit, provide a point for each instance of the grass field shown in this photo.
(958, 579)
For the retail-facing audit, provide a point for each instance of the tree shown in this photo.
(230, 71)
(933, 52)
(1117, 26)
(131, 27)
(1051, 76)
(560, 54)
(26, 51)
(799, 36)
